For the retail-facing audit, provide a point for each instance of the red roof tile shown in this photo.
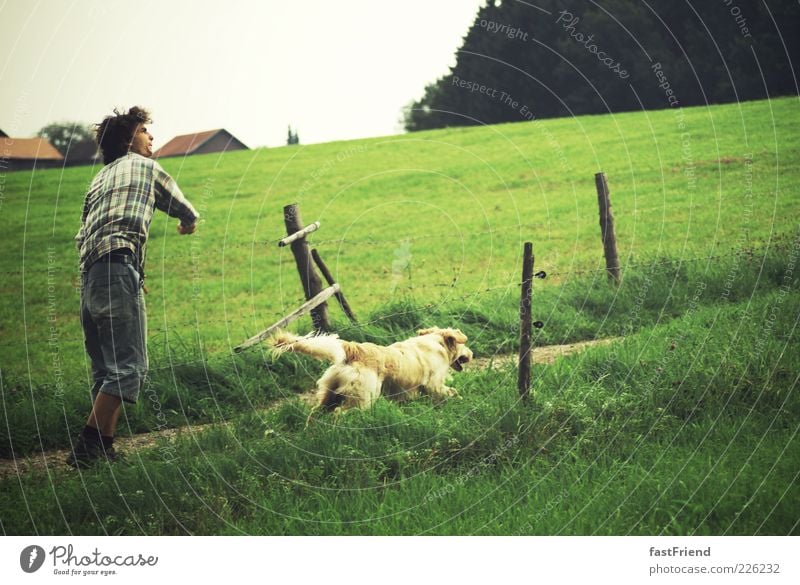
(185, 143)
(28, 148)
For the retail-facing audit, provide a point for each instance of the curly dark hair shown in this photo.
(115, 133)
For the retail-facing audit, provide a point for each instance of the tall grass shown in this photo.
(685, 427)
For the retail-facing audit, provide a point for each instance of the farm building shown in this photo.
(219, 140)
(26, 153)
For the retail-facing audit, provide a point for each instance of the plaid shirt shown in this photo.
(119, 206)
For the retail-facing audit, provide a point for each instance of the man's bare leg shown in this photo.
(105, 414)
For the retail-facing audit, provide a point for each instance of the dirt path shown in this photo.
(52, 460)
(541, 355)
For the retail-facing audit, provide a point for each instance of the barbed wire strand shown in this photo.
(748, 252)
(670, 264)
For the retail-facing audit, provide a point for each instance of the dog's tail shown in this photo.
(327, 347)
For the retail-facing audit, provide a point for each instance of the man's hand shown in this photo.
(186, 229)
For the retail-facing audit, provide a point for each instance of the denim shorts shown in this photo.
(115, 328)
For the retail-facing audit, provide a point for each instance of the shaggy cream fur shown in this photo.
(361, 372)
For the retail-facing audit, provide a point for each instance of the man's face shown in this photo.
(142, 142)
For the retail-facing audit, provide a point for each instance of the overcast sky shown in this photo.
(334, 69)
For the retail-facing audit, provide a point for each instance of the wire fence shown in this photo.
(655, 267)
(202, 256)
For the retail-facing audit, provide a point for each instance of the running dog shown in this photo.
(362, 372)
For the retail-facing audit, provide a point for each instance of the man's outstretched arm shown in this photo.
(171, 201)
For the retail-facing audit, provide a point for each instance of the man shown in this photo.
(114, 227)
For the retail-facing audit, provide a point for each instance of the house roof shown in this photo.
(187, 143)
(29, 148)
(2, 134)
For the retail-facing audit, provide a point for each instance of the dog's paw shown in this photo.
(451, 392)
(444, 393)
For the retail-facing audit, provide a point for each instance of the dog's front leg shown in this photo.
(442, 393)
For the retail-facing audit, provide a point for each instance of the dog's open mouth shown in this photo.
(458, 364)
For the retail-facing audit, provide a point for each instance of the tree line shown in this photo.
(74, 140)
(550, 58)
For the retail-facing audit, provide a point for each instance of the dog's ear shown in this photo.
(453, 337)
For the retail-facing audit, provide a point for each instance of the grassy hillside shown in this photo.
(430, 217)
(687, 426)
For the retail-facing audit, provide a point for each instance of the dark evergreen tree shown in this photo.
(292, 138)
(570, 57)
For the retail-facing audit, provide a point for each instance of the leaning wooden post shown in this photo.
(607, 227)
(312, 285)
(296, 314)
(329, 277)
(524, 379)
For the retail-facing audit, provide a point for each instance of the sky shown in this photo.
(334, 70)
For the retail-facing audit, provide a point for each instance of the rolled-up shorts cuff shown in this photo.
(128, 391)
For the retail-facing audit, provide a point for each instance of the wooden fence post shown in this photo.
(607, 227)
(524, 379)
(312, 285)
(329, 277)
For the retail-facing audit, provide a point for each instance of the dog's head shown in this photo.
(453, 341)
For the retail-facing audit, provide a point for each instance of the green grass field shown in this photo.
(687, 426)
